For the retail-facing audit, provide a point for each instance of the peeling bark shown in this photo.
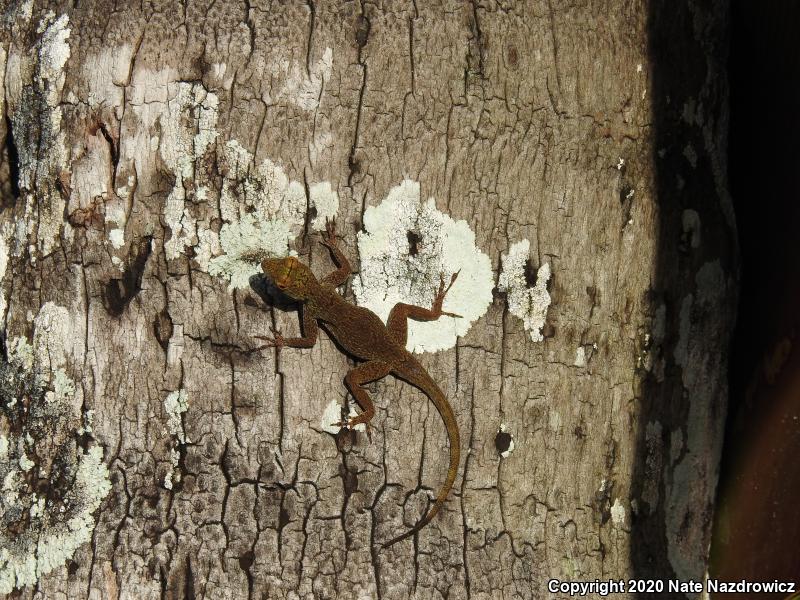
(149, 150)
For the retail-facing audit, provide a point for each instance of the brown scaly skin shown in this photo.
(362, 334)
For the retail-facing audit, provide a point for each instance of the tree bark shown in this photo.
(149, 451)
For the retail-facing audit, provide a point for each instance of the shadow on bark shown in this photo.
(680, 69)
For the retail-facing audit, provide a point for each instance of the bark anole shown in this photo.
(362, 334)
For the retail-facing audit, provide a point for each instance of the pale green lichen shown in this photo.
(41, 143)
(5, 233)
(246, 242)
(20, 353)
(175, 404)
(264, 210)
(51, 537)
(46, 531)
(25, 463)
(326, 202)
(392, 271)
(24, 560)
(181, 146)
(63, 386)
(528, 303)
(37, 507)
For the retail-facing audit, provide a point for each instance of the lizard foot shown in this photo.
(351, 424)
(440, 295)
(277, 342)
(329, 236)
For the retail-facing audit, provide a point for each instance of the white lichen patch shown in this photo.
(41, 144)
(326, 202)
(174, 459)
(332, 415)
(264, 210)
(245, 243)
(10, 495)
(116, 212)
(25, 463)
(54, 51)
(618, 513)
(406, 247)
(528, 303)
(37, 507)
(27, 557)
(88, 422)
(117, 238)
(580, 357)
(47, 531)
(188, 130)
(5, 233)
(207, 246)
(20, 353)
(175, 404)
(63, 388)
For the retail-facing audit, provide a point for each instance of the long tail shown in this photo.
(418, 378)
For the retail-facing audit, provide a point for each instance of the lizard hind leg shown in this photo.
(364, 373)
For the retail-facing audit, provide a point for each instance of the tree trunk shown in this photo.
(154, 153)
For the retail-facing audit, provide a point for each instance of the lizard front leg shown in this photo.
(397, 323)
(344, 270)
(355, 378)
(310, 332)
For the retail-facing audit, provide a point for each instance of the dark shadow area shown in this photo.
(682, 85)
(271, 295)
(757, 530)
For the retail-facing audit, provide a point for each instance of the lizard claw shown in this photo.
(453, 278)
(329, 236)
(277, 342)
(438, 300)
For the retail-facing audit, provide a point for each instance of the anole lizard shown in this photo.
(362, 334)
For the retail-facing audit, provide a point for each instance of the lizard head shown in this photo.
(290, 276)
